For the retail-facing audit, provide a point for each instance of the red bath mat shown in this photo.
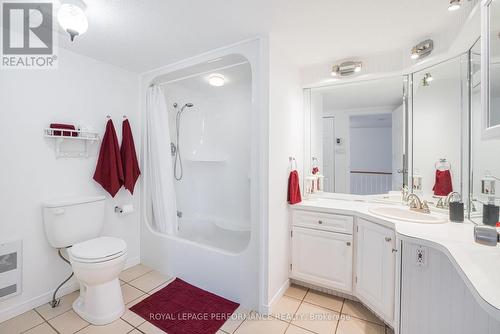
(181, 308)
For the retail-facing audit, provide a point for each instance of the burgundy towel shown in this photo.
(294, 196)
(109, 170)
(63, 126)
(131, 170)
(442, 185)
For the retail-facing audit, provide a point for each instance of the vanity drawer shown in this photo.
(323, 221)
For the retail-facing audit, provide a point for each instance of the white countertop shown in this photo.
(479, 264)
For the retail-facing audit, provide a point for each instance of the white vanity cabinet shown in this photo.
(375, 267)
(322, 249)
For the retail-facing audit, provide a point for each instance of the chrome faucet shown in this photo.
(416, 204)
(405, 192)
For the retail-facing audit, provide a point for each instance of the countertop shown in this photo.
(478, 264)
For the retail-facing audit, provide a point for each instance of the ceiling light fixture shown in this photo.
(216, 79)
(454, 5)
(346, 68)
(72, 18)
(422, 49)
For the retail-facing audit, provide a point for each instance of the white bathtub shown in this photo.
(213, 234)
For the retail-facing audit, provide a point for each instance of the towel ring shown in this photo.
(442, 164)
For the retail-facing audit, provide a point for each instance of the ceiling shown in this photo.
(371, 121)
(363, 95)
(143, 35)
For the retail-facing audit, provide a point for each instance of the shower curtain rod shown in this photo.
(197, 74)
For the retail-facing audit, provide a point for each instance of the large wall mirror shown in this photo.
(373, 137)
(439, 124)
(491, 68)
(355, 136)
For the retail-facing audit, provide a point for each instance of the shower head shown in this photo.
(187, 105)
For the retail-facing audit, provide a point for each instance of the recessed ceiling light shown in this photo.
(454, 5)
(216, 79)
(72, 18)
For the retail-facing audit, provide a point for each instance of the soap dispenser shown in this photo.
(456, 207)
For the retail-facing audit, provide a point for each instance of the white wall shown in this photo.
(371, 149)
(81, 91)
(285, 139)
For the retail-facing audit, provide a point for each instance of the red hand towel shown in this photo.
(63, 126)
(442, 186)
(294, 188)
(131, 170)
(109, 172)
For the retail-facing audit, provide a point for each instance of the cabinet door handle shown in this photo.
(394, 250)
(388, 239)
(348, 243)
(320, 222)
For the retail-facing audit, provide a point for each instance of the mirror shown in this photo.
(491, 66)
(355, 136)
(484, 165)
(439, 135)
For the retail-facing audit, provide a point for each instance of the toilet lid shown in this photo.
(98, 249)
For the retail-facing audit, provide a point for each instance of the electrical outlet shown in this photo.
(420, 257)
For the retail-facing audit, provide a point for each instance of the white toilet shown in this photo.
(96, 261)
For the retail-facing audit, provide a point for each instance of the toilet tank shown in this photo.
(73, 220)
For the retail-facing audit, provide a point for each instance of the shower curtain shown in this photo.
(158, 159)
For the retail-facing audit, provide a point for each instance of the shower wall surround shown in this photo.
(219, 198)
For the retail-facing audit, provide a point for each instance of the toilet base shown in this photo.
(100, 304)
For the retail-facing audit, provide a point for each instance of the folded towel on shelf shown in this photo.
(109, 169)
(64, 133)
(443, 185)
(294, 196)
(131, 169)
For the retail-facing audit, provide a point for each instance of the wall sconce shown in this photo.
(422, 49)
(346, 68)
(427, 79)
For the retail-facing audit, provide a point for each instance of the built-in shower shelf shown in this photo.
(62, 135)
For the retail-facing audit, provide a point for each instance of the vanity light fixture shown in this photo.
(422, 49)
(427, 79)
(346, 68)
(72, 18)
(216, 80)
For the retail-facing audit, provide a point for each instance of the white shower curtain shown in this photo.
(160, 180)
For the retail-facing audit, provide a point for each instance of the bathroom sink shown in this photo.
(407, 215)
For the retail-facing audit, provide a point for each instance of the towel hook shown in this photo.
(124, 116)
(293, 162)
(108, 117)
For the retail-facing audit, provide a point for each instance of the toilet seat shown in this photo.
(96, 250)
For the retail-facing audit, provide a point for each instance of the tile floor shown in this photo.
(300, 311)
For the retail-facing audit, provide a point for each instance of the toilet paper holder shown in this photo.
(125, 209)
